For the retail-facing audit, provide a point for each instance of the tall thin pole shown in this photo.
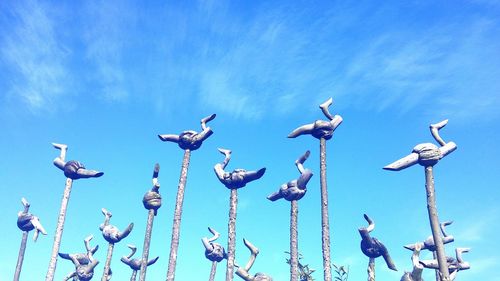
(177, 216)
(20, 258)
(325, 224)
(107, 265)
(294, 252)
(134, 274)
(371, 270)
(59, 230)
(231, 241)
(213, 271)
(147, 242)
(434, 222)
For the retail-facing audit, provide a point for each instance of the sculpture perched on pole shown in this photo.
(322, 130)
(416, 273)
(152, 202)
(188, 141)
(373, 248)
(72, 170)
(135, 264)
(84, 263)
(428, 155)
(454, 265)
(243, 272)
(214, 252)
(293, 191)
(26, 222)
(113, 235)
(234, 180)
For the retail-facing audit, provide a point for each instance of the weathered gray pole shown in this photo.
(293, 191)
(234, 180)
(188, 141)
(26, 222)
(428, 155)
(73, 170)
(322, 130)
(371, 269)
(214, 252)
(112, 235)
(294, 244)
(152, 202)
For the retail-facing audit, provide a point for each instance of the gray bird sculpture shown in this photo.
(238, 178)
(191, 139)
(84, 263)
(135, 264)
(243, 271)
(372, 247)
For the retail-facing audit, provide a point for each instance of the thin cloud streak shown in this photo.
(36, 60)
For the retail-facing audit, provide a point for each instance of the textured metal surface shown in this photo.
(174, 245)
(231, 235)
(59, 230)
(294, 244)
(325, 223)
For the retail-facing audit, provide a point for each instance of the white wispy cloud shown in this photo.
(106, 31)
(35, 59)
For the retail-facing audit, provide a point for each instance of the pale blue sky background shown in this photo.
(107, 77)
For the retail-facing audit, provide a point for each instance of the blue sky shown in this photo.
(107, 77)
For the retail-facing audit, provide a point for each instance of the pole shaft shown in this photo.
(20, 258)
(231, 240)
(145, 248)
(177, 217)
(294, 251)
(371, 270)
(59, 231)
(434, 221)
(213, 271)
(325, 224)
(134, 274)
(107, 266)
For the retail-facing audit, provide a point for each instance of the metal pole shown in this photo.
(134, 274)
(294, 252)
(107, 266)
(147, 242)
(325, 224)
(177, 217)
(59, 231)
(231, 241)
(371, 270)
(434, 221)
(213, 271)
(20, 258)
